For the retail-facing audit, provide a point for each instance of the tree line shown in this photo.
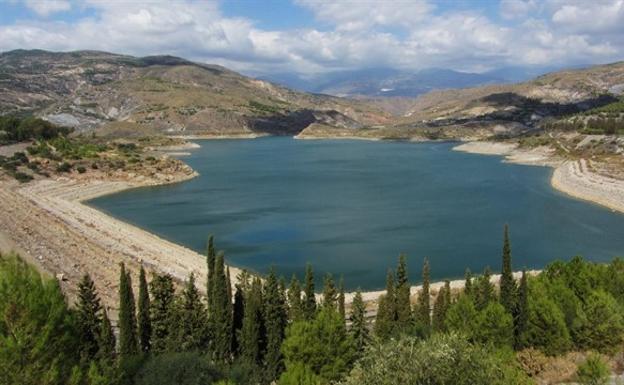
(17, 129)
(261, 331)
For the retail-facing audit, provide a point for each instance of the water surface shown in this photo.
(350, 207)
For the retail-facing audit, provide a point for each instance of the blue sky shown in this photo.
(315, 36)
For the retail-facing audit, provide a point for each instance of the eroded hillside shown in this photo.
(126, 95)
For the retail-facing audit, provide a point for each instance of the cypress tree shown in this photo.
(128, 343)
(522, 317)
(508, 287)
(385, 321)
(423, 308)
(191, 324)
(359, 330)
(222, 317)
(88, 318)
(106, 339)
(341, 300)
(403, 306)
(250, 336)
(441, 306)
(144, 323)
(309, 302)
(238, 313)
(162, 312)
(211, 256)
(295, 305)
(330, 296)
(485, 290)
(275, 323)
(468, 290)
(228, 284)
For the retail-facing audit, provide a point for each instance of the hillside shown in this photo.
(124, 96)
(522, 106)
(127, 95)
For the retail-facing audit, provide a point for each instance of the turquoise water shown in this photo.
(350, 207)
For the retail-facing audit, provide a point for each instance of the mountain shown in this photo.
(126, 95)
(387, 82)
(498, 109)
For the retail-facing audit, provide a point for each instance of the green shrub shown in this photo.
(594, 371)
(33, 165)
(442, 359)
(81, 169)
(22, 177)
(38, 341)
(322, 344)
(177, 368)
(63, 167)
(300, 374)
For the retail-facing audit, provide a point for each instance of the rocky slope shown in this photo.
(516, 108)
(125, 95)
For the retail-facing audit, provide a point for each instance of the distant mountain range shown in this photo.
(388, 82)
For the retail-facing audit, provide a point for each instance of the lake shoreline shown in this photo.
(572, 177)
(51, 207)
(64, 237)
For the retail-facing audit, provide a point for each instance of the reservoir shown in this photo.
(350, 207)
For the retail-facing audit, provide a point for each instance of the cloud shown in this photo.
(404, 35)
(600, 17)
(48, 7)
(354, 15)
(517, 9)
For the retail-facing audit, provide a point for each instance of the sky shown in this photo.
(318, 36)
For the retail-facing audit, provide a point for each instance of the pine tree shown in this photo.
(88, 318)
(128, 343)
(144, 322)
(468, 290)
(238, 314)
(330, 295)
(485, 290)
(275, 324)
(251, 333)
(107, 341)
(191, 321)
(309, 304)
(295, 305)
(522, 317)
(222, 316)
(423, 307)
(341, 300)
(403, 305)
(441, 306)
(385, 322)
(359, 330)
(508, 287)
(162, 312)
